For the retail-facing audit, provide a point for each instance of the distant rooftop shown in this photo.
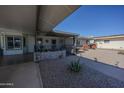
(110, 36)
(82, 37)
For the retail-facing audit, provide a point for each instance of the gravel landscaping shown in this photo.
(111, 57)
(55, 74)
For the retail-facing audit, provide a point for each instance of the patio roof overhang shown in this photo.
(58, 34)
(85, 38)
(18, 17)
(50, 16)
(24, 17)
(61, 34)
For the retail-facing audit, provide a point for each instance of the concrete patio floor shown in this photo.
(25, 75)
(15, 59)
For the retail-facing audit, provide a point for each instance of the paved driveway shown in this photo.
(110, 57)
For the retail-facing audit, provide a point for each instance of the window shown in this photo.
(53, 42)
(14, 42)
(47, 41)
(99, 41)
(78, 42)
(106, 41)
(10, 44)
(17, 42)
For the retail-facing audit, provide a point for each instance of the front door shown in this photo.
(53, 44)
(25, 48)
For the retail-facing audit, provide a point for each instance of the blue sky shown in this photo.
(95, 21)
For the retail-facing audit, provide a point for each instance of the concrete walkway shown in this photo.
(25, 75)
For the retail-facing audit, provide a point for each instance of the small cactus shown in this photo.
(75, 66)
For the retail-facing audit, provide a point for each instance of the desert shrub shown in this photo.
(75, 66)
(121, 52)
(60, 56)
(45, 50)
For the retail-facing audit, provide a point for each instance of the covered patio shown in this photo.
(36, 19)
(56, 40)
(18, 34)
(54, 44)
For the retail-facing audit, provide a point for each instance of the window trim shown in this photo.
(14, 36)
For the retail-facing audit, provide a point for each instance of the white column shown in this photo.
(2, 36)
(75, 41)
(2, 41)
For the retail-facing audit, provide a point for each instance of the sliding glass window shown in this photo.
(13, 42)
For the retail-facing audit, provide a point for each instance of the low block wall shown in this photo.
(38, 56)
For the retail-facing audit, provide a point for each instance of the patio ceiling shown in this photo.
(24, 17)
(50, 16)
(18, 17)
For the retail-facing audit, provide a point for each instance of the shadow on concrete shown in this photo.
(15, 59)
(23, 75)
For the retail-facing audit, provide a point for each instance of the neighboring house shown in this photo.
(110, 42)
(81, 41)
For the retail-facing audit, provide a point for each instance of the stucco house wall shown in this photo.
(30, 43)
(69, 41)
(112, 44)
(59, 41)
(10, 32)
